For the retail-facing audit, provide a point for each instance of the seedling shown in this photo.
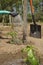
(31, 58)
(13, 36)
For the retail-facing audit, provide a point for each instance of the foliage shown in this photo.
(13, 36)
(31, 58)
(9, 4)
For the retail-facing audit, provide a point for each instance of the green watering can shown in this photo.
(8, 12)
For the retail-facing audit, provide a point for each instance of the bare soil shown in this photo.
(10, 52)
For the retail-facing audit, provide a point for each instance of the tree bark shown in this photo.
(24, 19)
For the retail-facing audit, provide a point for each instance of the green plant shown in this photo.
(13, 36)
(31, 58)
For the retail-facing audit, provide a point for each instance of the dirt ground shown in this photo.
(8, 52)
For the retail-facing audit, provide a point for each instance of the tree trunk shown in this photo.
(24, 19)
